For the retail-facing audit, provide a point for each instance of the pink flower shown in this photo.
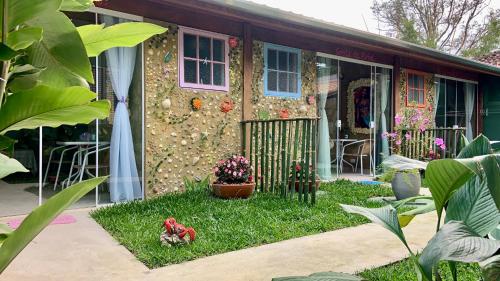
(407, 136)
(422, 128)
(226, 170)
(439, 141)
(240, 174)
(398, 142)
(443, 147)
(398, 119)
(234, 174)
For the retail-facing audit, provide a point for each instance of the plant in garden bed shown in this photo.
(298, 171)
(45, 71)
(469, 188)
(233, 178)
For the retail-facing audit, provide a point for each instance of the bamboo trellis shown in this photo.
(275, 147)
(420, 143)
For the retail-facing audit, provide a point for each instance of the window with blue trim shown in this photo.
(281, 71)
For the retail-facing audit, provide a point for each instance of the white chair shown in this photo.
(358, 150)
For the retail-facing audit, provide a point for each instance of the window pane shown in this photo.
(292, 66)
(219, 74)
(282, 81)
(283, 61)
(411, 95)
(292, 82)
(410, 81)
(190, 71)
(271, 59)
(189, 46)
(421, 96)
(272, 80)
(205, 73)
(205, 48)
(218, 50)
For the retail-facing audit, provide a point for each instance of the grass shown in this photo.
(404, 271)
(228, 225)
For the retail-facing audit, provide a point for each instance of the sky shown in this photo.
(349, 13)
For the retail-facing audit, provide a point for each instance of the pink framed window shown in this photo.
(203, 60)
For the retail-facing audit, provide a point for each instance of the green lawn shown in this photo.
(404, 271)
(228, 225)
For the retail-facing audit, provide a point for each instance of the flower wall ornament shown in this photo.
(233, 42)
(196, 104)
(283, 113)
(226, 105)
(176, 233)
(311, 100)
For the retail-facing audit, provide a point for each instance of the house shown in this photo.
(221, 62)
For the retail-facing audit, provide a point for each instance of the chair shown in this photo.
(359, 150)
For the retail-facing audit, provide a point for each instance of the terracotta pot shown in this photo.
(231, 191)
(297, 185)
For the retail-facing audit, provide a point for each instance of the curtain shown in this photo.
(324, 163)
(384, 94)
(124, 180)
(436, 98)
(469, 90)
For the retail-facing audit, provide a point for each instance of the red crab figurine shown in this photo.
(175, 233)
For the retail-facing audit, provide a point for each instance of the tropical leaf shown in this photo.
(491, 168)
(456, 242)
(445, 177)
(61, 52)
(7, 145)
(22, 77)
(386, 216)
(479, 146)
(37, 220)
(51, 107)
(20, 11)
(474, 205)
(399, 162)
(491, 268)
(76, 5)
(6, 53)
(10, 166)
(5, 231)
(24, 37)
(427, 206)
(97, 39)
(322, 276)
(495, 233)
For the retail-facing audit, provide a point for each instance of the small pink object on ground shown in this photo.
(62, 219)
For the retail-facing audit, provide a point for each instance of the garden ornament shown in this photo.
(175, 233)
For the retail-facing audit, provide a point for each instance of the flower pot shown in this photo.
(317, 183)
(405, 185)
(231, 191)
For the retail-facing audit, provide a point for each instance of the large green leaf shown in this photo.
(456, 242)
(427, 205)
(9, 166)
(491, 168)
(6, 53)
(51, 107)
(474, 205)
(399, 162)
(5, 231)
(491, 268)
(76, 5)
(20, 11)
(495, 233)
(479, 146)
(22, 77)
(60, 51)
(386, 216)
(97, 39)
(24, 37)
(322, 276)
(37, 220)
(445, 177)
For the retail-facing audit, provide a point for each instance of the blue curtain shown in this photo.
(124, 180)
(324, 159)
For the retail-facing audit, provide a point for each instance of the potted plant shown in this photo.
(404, 175)
(233, 178)
(299, 168)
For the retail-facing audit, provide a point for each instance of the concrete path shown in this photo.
(84, 251)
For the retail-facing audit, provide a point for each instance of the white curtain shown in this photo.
(124, 180)
(384, 94)
(469, 90)
(437, 85)
(324, 163)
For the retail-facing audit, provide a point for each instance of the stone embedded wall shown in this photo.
(430, 95)
(269, 107)
(181, 142)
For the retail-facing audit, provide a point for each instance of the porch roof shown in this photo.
(264, 11)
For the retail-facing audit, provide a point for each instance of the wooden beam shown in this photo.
(396, 85)
(246, 101)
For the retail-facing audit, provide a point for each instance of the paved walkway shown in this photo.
(84, 251)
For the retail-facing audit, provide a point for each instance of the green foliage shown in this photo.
(228, 225)
(470, 188)
(322, 276)
(37, 220)
(491, 268)
(10, 166)
(489, 41)
(24, 37)
(196, 184)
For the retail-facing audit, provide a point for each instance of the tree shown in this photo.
(460, 27)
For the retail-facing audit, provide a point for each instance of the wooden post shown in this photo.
(246, 107)
(396, 85)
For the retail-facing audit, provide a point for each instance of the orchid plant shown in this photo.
(413, 119)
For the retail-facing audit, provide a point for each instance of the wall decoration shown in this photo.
(166, 103)
(284, 113)
(196, 104)
(233, 42)
(310, 99)
(168, 57)
(358, 106)
(226, 105)
(263, 114)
